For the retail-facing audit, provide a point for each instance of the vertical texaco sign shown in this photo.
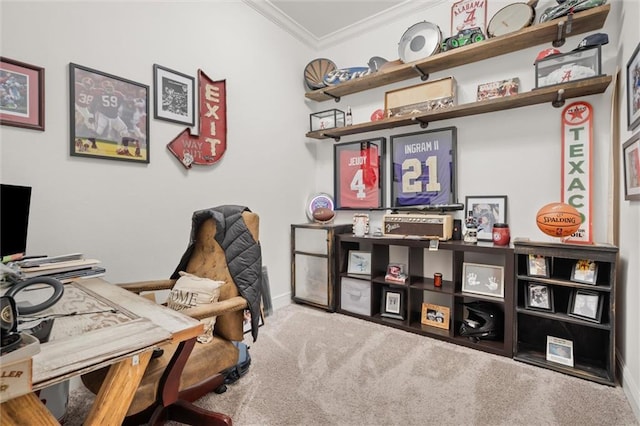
(577, 159)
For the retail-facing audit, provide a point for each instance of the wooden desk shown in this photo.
(123, 330)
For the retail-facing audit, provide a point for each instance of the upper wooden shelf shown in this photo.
(553, 31)
(555, 94)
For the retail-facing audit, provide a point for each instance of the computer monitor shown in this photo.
(15, 201)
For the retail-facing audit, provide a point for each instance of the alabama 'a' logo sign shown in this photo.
(577, 159)
(210, 144)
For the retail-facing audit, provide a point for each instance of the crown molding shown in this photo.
(275, 15)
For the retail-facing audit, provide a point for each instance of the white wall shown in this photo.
(137, 218)
(629, 271)
(517, 152)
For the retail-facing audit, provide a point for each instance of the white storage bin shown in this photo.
(355, 296)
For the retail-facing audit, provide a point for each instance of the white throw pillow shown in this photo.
(190, 291)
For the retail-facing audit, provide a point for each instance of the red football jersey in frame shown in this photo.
(358, 174)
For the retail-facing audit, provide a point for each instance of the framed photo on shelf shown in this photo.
(633, 89)
(359, 263)
(396, 273)
(560, 350)
(174, 98)
(584, 271)
(538, 266)
(109, 116)
(360, 224)
(539, 297)
(22, 103)
(392, 303)
(359, 174)
(631, 161)
(586, 304)
(423, 168)
(435, 315)
(483, 279)
(486, 210)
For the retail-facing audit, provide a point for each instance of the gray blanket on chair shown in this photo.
(243, 254)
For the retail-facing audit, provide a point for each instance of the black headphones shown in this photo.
(58, 289)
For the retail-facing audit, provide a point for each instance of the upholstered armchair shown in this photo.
(180, 376)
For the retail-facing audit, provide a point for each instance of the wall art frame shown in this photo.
(393, 303)
(631, 162)
(359, 174)
(483, 279)
(560, 350)
(359, 263)
(174, 96)
(539, 297)
(423, 168)
(435, 315)
(23, 105)
(486, 210)
(109, 116)
(586, 305)
(633, 89)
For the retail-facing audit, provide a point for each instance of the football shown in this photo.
(323, 215)
(558, 219)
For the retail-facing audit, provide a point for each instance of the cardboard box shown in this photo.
(429, 96)
(498, 89)
(566, 67)
(355, 296)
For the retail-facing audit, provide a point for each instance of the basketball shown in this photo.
(558, 219)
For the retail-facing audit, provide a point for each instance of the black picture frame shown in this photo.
(393, 303)
(585, 271)
(23, 105)
(486, 210)
(414, 168)
(359, 174)
(109, 116)
(539, 297)
(633, 89)
(174, 99)
(538, 266)
(586, 305)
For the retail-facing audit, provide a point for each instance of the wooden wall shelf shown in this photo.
(550, 94)
(553, 31)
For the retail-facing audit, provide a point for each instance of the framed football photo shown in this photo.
(358, 174)
(424, 168)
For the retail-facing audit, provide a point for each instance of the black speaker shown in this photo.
(457, 229)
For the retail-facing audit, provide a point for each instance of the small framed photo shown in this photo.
(633, 89)
(560, 350)
(392, 303)
(174, 96)
(585, 271)
(539, 297)
(486, 210)
(631, 160)
(396, 273)
(22, 100)
(360, 224)
(359, 263)
(483, 279)
(435, 315)
(538, 266)
(246, 320)
(109, 116)
(585, 304)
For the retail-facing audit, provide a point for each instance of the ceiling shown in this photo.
(322, 23)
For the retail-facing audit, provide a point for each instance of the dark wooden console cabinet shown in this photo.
(593, 341)
(419, 289)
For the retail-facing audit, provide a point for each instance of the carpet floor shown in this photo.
(310, 367)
